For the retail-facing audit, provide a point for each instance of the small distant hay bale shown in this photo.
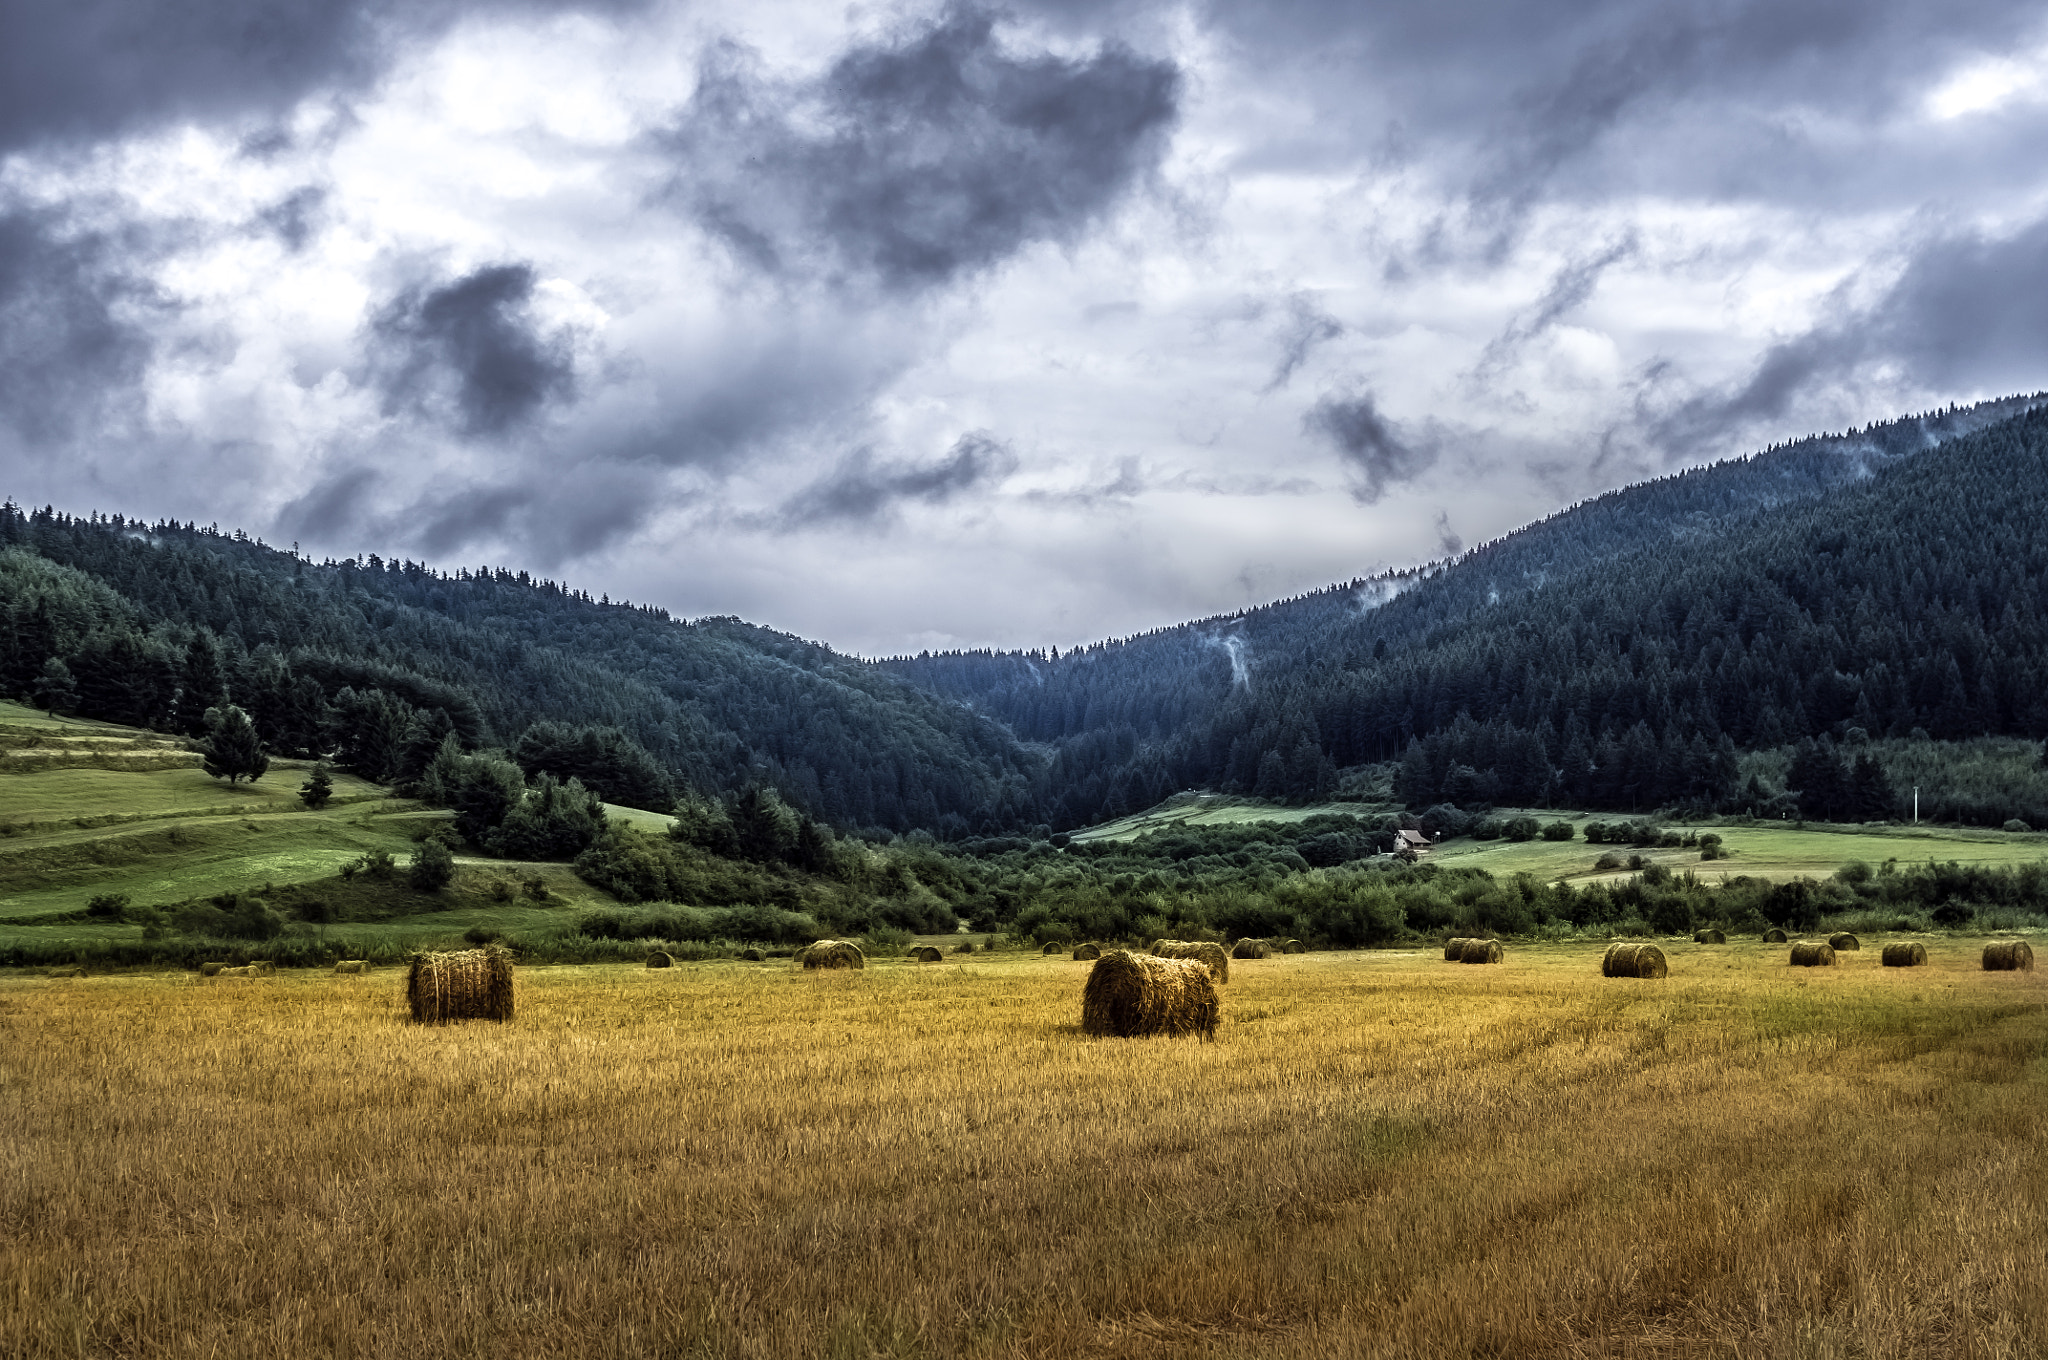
(1454, 948)
(1251, 949)
(352, 966)
(1291, 946)
(1904, 954)
(831, 954)
(65, 973)
(466, 984)
(211, 969)
(1481, 951)
(1085, 952)
(752, 955)
(1132, 996)
(1634, 961)
(1709, 936)
(1813, 954)
(1202, 951)
(1774, 936)
(1052, 947)
(661, 958)
(1843, 941)
(2001, 956)
(261, 968)
(925, 953)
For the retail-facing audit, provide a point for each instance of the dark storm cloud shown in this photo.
(86, 69)
(1377, 455)
(66, 347)
(1514, 103)
(1306, 327)
(1965, 316)
(472, 346)
(862, 490)
(333, 509)
(1570, 289)
(935, 155)
(295, 218)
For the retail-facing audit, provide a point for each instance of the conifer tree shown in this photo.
(231, 748)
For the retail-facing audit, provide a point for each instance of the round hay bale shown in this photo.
(1051, 947)
(65, 973)
(1454, 948)
(1481, 951)
(1634, 961)
(352, 966)
(752, 955)
(1774, 936)
(1086, 952)
(660, 959)
(465, 984)
(1251, 949)
(2001, 956)
(1843, 941)
(1813, 954)
(925, 953)
(1904, 954)
(1292, 946)
(831, 954)
(1131, 996)
(1204, 951)
(211, 969)
(1709, 936)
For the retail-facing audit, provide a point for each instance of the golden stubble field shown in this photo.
(1383, 1154)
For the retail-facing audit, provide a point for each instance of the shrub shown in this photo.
(107, 906)
(482, 935)
(1523, 828)
(433, 866)
(1558, 831)
(1610, 860)
(2015, 824)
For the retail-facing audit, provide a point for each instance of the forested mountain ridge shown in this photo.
(1619, 654)
(1585, 658)
(156, 622)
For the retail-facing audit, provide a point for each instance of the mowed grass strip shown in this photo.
(1382, 1155)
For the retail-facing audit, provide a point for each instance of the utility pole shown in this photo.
(1916, 805)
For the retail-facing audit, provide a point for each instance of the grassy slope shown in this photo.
(1383, 1155)
(71, 829)
(1760, 851)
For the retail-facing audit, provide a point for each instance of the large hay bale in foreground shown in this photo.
(1481, 951)
(466, 984)
(1203, 951)
(1131, 996)
(211, 969)
(1842, 941)
(1454, 948)
(1086, 952)
(352, 966)
(1709, 936)
(1904, 954)
(1813, 954)
(1634, 961)
(661, 958)
(2008, 956)
(1251, 949)
(1051, 947)
(1774, 936)
(831, 954)
(925, 953)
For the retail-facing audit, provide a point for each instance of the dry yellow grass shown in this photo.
(1746, 1161)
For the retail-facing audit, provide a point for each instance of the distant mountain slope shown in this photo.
(156, 621)
(1711, 604)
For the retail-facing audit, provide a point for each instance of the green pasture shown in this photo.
(1217, 809)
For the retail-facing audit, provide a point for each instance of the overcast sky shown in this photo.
(907, 326)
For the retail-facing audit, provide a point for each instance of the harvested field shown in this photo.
(740, 1160)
